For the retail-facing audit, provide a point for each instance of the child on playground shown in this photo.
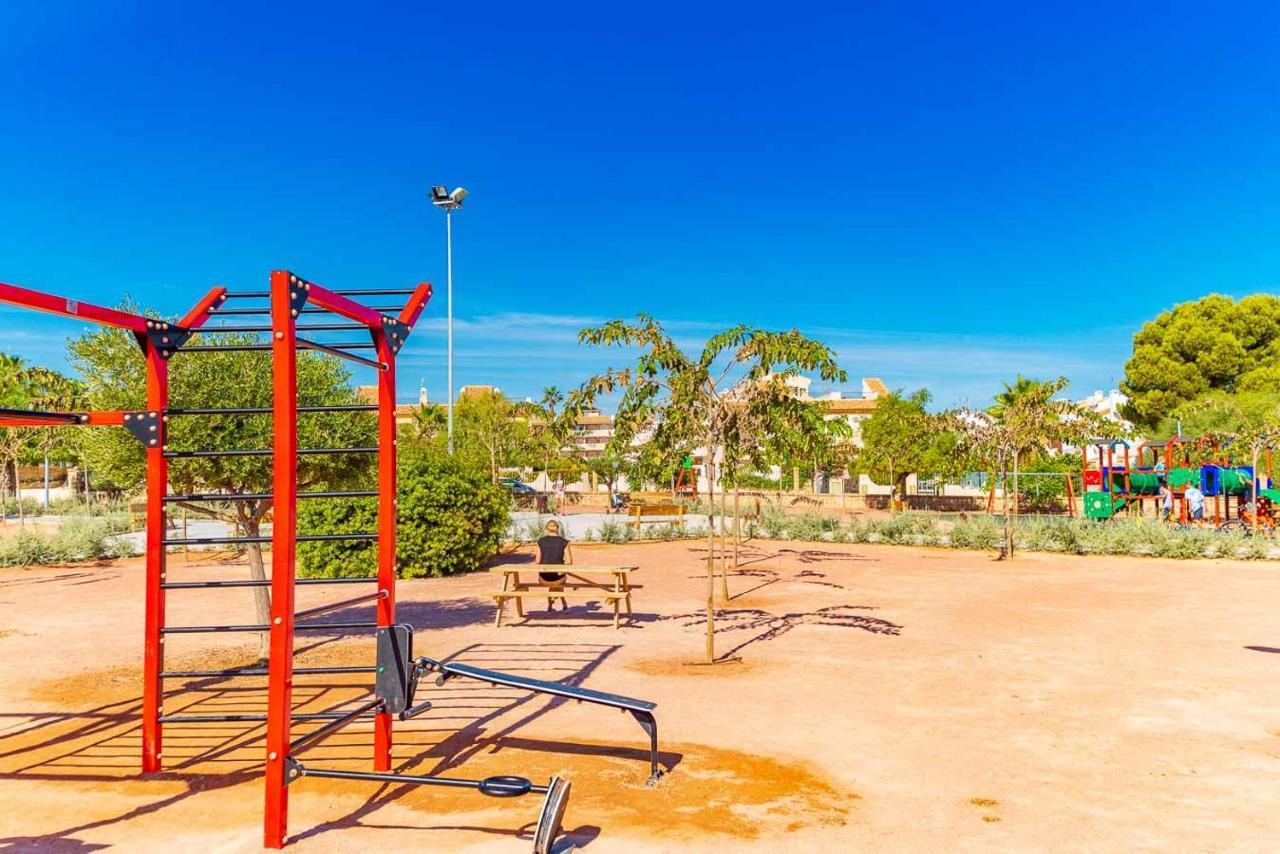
(1166, 502)
(554, 550)
(1195, 503)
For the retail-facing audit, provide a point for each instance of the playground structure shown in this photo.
(1119, 481)
(396, 671)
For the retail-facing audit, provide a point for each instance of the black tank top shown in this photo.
(551, 551)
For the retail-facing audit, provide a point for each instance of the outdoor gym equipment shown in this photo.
(396, 673)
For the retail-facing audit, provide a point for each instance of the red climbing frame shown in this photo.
(160, 340)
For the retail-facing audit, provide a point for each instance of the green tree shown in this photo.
(489, 427)
(1214, 343)
(1221, 413)
(901, 438)
(727, 400)
(1026, 419)
(114, 372)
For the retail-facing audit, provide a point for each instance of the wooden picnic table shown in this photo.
(610, 584)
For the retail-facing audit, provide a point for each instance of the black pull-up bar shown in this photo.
(263, 496)
(256, 582)
(263, 348)
(260, 671)
(381, 309)
(299, 627)
(266, 410)
(311, 327)
(228, 541)
(223, 719)
(263, 452)
(350, 292)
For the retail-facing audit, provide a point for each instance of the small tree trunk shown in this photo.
(251, 525)
(737, 526)
(1015, 505)
(17, 493)
(724, 547)
(711, 560)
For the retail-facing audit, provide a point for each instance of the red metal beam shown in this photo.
(386, 523)
(417, 302)
(153, 638)
(54, 304)
(49, 419)
(199, 314)
(284, 533)
(339, 304)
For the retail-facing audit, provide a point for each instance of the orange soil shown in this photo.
(884, 698)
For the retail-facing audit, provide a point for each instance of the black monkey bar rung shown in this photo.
(263, 452)
(298, 627)
(310, 327)
(254, 582)
(260, 671)
(266, 410)
(220, 719)
(263, 496)
(227, 541)
(382, 309)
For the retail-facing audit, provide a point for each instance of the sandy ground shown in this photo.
(887, 699)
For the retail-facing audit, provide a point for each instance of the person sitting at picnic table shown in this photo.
(554, 550)
(1195, 502)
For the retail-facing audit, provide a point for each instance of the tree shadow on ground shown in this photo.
(101, 744)
(769, 627)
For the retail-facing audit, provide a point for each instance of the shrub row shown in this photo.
(78, 538)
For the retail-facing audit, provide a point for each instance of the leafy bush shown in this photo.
(615, 532)
(30, 507)
(78, 538)
(975, 532)
(450, 519)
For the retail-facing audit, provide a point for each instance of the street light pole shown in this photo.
(448, 231)
(449, 202)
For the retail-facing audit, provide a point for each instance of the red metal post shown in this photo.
(386, 523)
(283, 543)
(157, 488)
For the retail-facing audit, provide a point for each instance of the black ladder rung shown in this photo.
(261, 671)
(310, 327)
(346, 292)
(262, 348)
(298, 627)
(220, 719)
(262, 496)
(227, 541)
(253, 582)
(267, 410)
(263, 452)
(381, 309)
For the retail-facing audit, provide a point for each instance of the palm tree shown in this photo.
(1027, 417)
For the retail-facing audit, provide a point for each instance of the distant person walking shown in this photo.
(1166, 502)
(1195, 503)
(554, 550)
(558, 486)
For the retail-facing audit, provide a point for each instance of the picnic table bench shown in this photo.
(609, 584)
(647, 511)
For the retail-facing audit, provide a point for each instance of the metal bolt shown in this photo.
(279, 336)
(164, 326)
(293, 294)
(292, 278)
(153, 441)
(152, 428)
(276, 621)
(273, 756)
(164, 340)
(293, 312)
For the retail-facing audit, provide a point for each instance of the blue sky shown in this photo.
(947, 194)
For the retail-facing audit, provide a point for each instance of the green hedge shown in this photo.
(450, 519)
